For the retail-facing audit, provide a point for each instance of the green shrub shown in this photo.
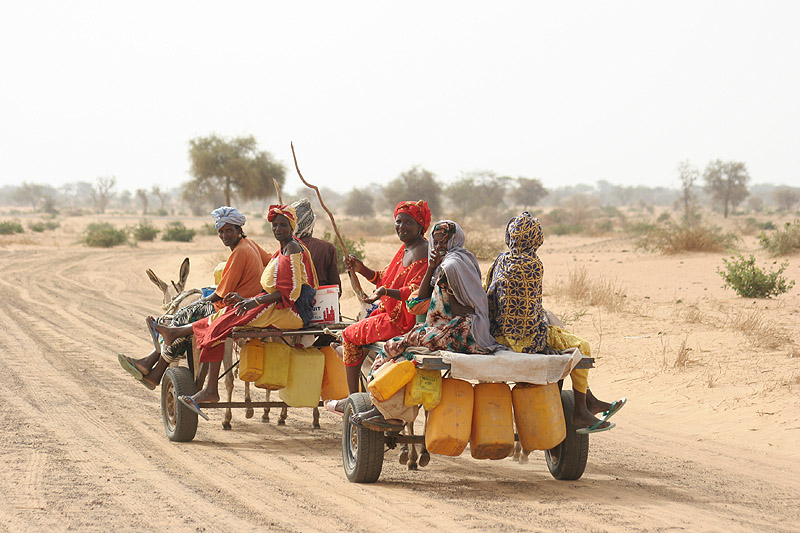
(675, 238)
(744, 277)
(211, 229)
(564, 229)
(176, 231)
(7, 227)
(783, 241)
(145, 231)
(640, 228)
(104, 235)
(352, 248)
(39, 227)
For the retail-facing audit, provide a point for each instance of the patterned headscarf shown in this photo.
(284, 210)
(418, 210)
(227, 215)
(514, 287)
(305, 218)
(463, 274)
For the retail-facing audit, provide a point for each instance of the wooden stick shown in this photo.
(277, 191)
(351, 273)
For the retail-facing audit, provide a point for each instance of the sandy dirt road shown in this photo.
(84, 449)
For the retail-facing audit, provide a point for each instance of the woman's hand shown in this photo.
(380, 291)
(354, 263)
(245, 305)
(232, 298)
(435, 257)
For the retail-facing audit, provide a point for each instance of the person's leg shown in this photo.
(594, 405)
(353, 356)
(581, 416)
(145, 364)
(157, 372)
(210, 393)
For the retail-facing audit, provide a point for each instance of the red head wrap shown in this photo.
(284, 210)
(418, 210)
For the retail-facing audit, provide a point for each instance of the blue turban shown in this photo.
(227, 215)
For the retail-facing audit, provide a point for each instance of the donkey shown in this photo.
(173, 298)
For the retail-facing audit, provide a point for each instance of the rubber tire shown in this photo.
(180, 423)
(362, 448)
(567, 461)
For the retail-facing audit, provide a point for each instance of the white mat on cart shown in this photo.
(536, 368)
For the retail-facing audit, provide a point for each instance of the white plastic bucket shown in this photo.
(326, 305)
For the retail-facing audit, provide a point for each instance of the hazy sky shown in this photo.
(569, 92)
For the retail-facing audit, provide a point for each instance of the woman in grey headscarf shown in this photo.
(456, 315)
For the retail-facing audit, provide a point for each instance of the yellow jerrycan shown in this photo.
(539, 416)
(390, 378)
(492, 435)
(251, 360)
(334, 378)
(306, 367)
(449, 424)
(276, 366)
(424, 388)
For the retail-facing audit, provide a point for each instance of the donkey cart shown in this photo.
(180, 423)
(363, 449)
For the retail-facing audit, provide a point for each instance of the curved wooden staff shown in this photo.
(350, 272)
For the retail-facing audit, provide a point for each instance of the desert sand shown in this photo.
(707, 442)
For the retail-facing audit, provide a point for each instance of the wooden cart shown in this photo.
(363, 449)
(180, 423)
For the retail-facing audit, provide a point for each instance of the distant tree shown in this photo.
(414, 184)
(141, 195)
(786, 197)
(529, 191)
(102, 192)
(28, 193)
(359, 203)
(125, 198)
(476, 189)
(462, 195)
(688, 175)
(755, 203)
(77, 193)
(161, 195)
(234, 166)
(726, 182)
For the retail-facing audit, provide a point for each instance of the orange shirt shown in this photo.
(243, 271)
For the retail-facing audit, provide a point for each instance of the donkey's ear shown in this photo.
(156, 280)
(184, 275)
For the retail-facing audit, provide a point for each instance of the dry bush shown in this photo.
(782, 241)
(674, 238)
(760, 331)
(684, 359)
(691, 315)
(600, 292)
(484, 246)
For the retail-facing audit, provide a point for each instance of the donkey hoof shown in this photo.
(315, 425)
(404, 456)
(523, 459)
(281, 422)
(248, 413)
(424, 459)
(226, 425)
(265, 419)
(412, 466)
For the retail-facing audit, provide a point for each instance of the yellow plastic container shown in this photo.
(334, 379)
(492, 435)
(251, 361)
(425, 388)
(539, 416)
(306, 367)
(390, 378)
(449, 424)
(276, 366)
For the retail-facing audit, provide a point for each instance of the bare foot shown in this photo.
(205, 397)
(147, 378)
(168, 332)
(594, 405)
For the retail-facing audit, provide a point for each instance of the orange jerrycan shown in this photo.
(276, 366)
(334, 379)
(390, 378)
(424, 388)
(306, 367)
(450, 423)
(539, 416)
(251, 360)
(492, 435)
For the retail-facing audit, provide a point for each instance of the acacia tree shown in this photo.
(414, 184)
(476, 189)
(141, 195)
(29, 193)
(234, 166)
(359, 203)
(786, 197)
(161, 195)
(102, 192)
(688, 175)
(529, 191)
(727, 183)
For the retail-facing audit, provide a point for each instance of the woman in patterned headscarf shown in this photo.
(518, 320)
(394, 283)
(289, 284)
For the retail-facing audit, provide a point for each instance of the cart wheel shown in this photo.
(362, 449)
(180, 423)
(567, 461)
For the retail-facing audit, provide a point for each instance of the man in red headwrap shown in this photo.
(393, 285)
